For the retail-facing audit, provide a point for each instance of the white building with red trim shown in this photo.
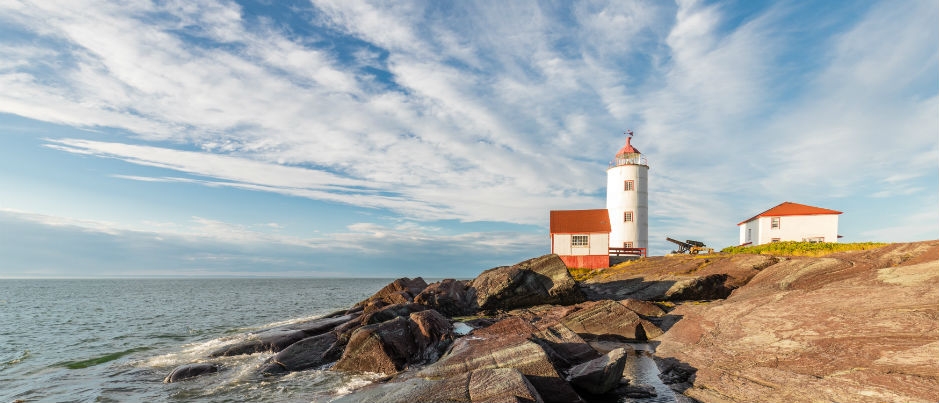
(790, 222)
(581, 237)
(627, 198)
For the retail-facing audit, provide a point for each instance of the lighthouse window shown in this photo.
(628, 216)
(580, 240)
(630, 185)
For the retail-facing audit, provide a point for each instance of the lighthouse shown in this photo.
(627, 197)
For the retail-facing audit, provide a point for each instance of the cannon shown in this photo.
(690, 246)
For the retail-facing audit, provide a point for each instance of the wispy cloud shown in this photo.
(482, 113)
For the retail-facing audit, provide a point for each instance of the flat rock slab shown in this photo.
(494, 385)
(610, 318)
(472, 353)
(853, 326)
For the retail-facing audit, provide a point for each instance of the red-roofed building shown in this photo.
(790, 222)
(581, 237)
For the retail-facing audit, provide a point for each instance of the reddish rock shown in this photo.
(476, 352)
(854, 326)
(644, 308)
(432, 334)
(538, 281)
(501, 385)
(610, 318)
(449, 297)
(400, 291)
(382, 348)
(490, 385)
(390, 312)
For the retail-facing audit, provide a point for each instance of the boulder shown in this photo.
(382, 347)
(599, 375)
(488, 351)
(568, 347)
(308, 353)
(538, 281)
(190, 371)
(390, 312)
(610, 318)
(399, 291)
(449, 297)
(272, 340)
(432, 335)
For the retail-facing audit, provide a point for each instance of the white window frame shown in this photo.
(775, 222)
(580, 241)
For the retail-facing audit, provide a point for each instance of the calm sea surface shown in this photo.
(115, 340)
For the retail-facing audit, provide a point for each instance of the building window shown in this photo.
(627, 244)
(774, 223)
(630, 185)
(580, 240)
(774, 240)
(628, 216)
(814, 239)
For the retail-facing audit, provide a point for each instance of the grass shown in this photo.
(792, 248)
(580, 274)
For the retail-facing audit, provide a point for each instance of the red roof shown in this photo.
(579, 221)
(790, 208)
(628, 148)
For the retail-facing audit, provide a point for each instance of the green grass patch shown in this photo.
(580, 274)
(792, 248)
(101, 360)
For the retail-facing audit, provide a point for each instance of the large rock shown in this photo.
(644, 308)
(538, 281)
(610, 318)
(400, 291)
(491, 385)
(449, 297)
(382, 348)
(432, 335)
(488, 351)
(390, 312)
(858, 326)
(190, 371)
(599, 375)
(272, 340)
(277, 339)
(308, 353)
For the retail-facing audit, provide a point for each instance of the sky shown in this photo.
(431, 138)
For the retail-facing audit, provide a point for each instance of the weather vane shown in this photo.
(628, 132)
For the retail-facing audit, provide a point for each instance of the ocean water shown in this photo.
(114, 340)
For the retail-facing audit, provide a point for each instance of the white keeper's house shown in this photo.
(790, 222)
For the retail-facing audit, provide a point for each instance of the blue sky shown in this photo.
(338, 138)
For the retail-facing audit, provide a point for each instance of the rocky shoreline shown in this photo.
(531, 333)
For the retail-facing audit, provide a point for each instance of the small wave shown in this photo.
(100, 360)
(17, 360)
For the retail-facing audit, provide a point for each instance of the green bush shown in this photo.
(792, 248)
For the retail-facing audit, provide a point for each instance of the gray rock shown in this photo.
(610, 318)
(190, 371)
(599, 375)
(501, 385)
(308, 353)
(538, 281)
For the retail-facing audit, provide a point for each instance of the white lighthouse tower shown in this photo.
(627, 198)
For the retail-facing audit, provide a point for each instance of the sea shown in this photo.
(114, 340)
